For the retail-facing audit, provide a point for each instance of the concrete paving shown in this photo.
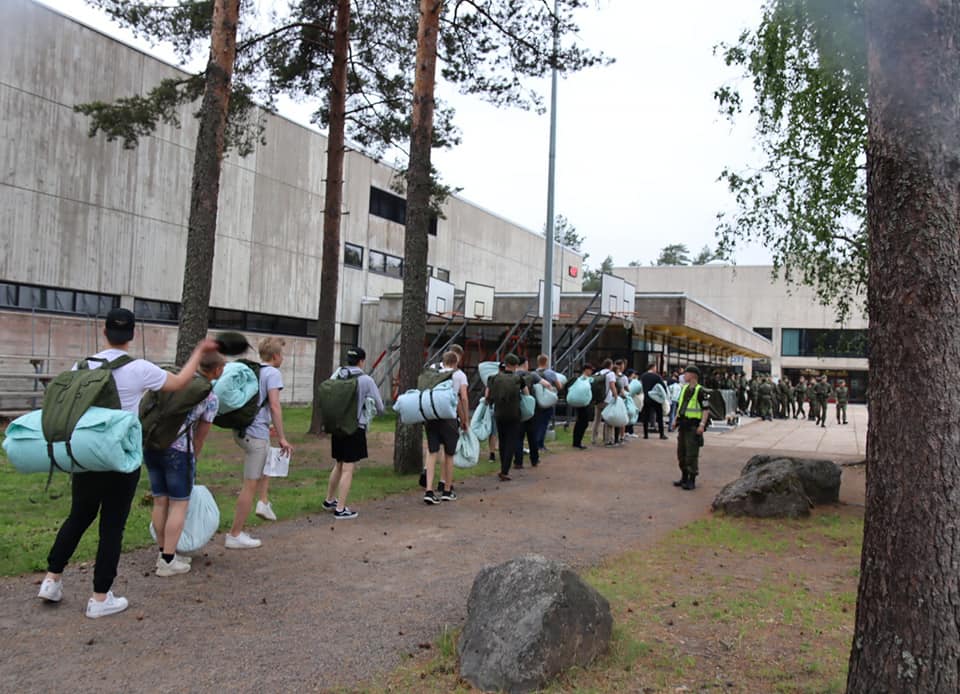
(802, 435)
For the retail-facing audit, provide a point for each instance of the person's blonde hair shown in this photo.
(457, 349)
(450, 358)
(270, 347)
(542, 361)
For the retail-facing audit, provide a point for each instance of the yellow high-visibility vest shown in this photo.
(693, 411)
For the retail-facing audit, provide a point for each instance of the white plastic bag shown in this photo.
(528, 407)
(468, 450)
(203, 518)
(546, 397)
(615, 414)
(278, 464)
(481, 424)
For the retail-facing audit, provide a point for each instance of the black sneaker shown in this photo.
(493, 458)
(423, 478)
(329, 505)
(430, 498)
(345, 514)
(441, 486)
(449, 495)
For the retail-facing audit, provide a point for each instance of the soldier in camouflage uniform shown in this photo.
(799, 393)
(693, 411)
(843, 395)
(765, 395)
(822, 392)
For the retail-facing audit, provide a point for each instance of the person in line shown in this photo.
(545, 414)
(619, 366)
(172, 472)
(110, 494)
(254, 441)
(446, 433)
(584, 414)
(529, 427)
(503, 392)
(610, 392)
(692, 416)
(765, 394)
(822, 393)
(843, 396)
(799, 393)
(673, 392)
(651, 379)
(347, 451)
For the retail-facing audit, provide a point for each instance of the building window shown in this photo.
(349, 335)
(13, 295)
(443, 274)
(393, 207)
(802, 342)
(156, 311)
(352, 255)
(385, 264)
(226, 319)
(764, 332)
(90, 304)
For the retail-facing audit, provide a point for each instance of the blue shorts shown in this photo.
(171, 473)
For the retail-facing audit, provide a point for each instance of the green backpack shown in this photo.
(598, 388)
(505, 394)
(243, 417)
(163, 415)
(70, 395)
(431, 377)
(338, 405)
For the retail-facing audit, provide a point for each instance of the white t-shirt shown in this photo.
(459, 379)
(610, 377)
(133, 380)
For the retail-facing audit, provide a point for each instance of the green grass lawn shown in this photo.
(29, 518)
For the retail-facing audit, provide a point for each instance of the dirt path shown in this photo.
(323, 605)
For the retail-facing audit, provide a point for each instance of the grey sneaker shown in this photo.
(172, 568)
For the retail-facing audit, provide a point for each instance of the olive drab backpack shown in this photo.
(163, 414)
(69, 396)
(431, 377)
(243, 416)
(338, 403)
(598, 388)
(505, 393)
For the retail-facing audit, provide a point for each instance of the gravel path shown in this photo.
(323, 605)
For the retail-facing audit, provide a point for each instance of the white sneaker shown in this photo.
(112, 605)
(173, 568)
(183, 558)
(265, 511)
(241, 541)
(50, 590)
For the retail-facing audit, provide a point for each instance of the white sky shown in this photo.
(640, 143)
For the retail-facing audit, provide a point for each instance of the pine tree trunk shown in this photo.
(333, 199)
(408, 445)
(204, 196)
(907, 636)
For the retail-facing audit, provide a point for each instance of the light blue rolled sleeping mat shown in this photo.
(417, 406)
(104, 440)
(235, 387)
(486, 369)
(203, 518)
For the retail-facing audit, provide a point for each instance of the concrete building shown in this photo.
(804, 333)
(87, 225)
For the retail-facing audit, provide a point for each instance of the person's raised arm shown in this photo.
(179, 381)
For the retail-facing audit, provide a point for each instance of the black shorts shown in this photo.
(442, 431)
(349, 449)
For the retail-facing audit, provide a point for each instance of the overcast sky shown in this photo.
(640, 143)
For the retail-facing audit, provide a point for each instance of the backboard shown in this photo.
(555, 300)
(629, 295)
(439, 297)
(478, 301)
(611, 295)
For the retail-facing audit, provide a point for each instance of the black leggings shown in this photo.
(510, 434)
(109, 494)
(584, 417)
(651, 406)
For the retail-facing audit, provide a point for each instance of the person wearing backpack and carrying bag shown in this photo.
(254, 440)
(172, 466)
(110, 494)
(445, 433)
(348, 440)
(503, 392)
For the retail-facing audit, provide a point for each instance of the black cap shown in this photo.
(692, 370)
(120, 323)
(355, 355)
(231, 343)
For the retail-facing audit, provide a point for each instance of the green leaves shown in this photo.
(806, 202)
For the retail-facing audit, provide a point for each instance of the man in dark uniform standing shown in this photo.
(692, 414)
(822, 393)
(843, 395)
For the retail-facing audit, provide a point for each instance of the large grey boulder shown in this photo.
(820, 478)
(528, 620)
(772, 490)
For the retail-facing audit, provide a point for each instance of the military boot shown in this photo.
(682, 481)
(691, 483)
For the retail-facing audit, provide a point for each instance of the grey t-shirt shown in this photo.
(270, 379)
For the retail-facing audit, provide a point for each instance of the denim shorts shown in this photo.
(171, 473)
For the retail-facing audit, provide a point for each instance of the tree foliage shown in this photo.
(806, 200)
(705, 256)
(674, 254)
(566, 234)
(593, 278)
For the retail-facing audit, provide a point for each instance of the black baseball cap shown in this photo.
(355, 355)
(512, 360)
(119, 326)
(692, 370)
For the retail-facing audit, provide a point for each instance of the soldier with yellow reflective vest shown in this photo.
(692, 414)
